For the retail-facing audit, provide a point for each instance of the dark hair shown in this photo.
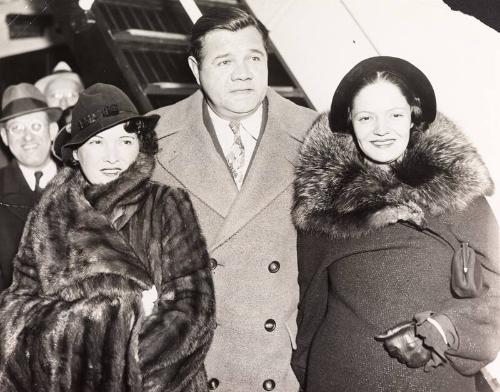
(223, 18)
(419, 124)
(148, 142)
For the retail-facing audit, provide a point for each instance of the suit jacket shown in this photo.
(16, 200)
(250, 237)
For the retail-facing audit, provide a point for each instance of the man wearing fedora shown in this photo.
(27, 127)
(232, 146)
(61, 89)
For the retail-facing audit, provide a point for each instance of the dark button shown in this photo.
(270, 325)
(213, 265)
(213, 383)
(269, 385)
(274, 267)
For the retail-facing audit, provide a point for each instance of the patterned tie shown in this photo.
(236, 155)
(38, 175)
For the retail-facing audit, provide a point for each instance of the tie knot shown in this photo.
(234, 126)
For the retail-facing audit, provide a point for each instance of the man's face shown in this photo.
(29, 138)
(62, 92)
(233, 71)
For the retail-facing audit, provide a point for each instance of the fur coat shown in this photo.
(73, 318)
(368, 259)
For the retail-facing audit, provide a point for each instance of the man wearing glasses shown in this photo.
(27, 127)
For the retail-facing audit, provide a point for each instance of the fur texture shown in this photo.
(73, 318)
(336, 193)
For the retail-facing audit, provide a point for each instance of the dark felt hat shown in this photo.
(24, 98)
(415, 79)
(99, 107)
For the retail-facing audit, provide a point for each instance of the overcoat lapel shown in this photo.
(270, 174)
(17, 193)
(189, 155)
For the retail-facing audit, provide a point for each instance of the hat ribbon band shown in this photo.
(23, 105)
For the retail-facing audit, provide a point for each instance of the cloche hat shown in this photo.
(99, 107)
(353, 80)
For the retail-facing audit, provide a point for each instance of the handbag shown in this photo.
(466, 275)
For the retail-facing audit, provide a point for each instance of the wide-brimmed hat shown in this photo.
(61, 70)
(24, 98)
(415, 79)
(99, 107)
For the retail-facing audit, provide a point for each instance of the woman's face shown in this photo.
(106, 155)
(381, 119)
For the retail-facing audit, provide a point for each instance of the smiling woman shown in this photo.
(112, 289)
(389, 196)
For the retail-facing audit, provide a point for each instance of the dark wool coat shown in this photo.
(368, 260)
(16, 201)
(73, 319)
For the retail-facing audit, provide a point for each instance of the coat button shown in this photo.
(274, 267)
(213, 383)
(269, 385)
(270, 325)
(213, 264)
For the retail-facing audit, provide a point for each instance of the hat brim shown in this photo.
(54, 114)
(65, 140)
(42, 83)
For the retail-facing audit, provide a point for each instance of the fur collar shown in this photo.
(337, 194)
(74, 231)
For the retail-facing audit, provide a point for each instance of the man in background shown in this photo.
(232, 146)
(27, 127)
(61, 89)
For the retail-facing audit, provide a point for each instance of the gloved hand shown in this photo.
(402, 343)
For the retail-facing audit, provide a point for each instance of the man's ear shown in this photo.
(75, 154)
(193, 64)
(3, 134)
(53, 128)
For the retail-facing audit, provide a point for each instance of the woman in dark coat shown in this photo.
(82, 312)
(387, 193)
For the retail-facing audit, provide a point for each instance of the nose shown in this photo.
(242, 71)
(111, 154)
(63, 103)
(27, 136)
(381, 128)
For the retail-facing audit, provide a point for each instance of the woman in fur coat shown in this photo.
(388, 194)
(82, 312)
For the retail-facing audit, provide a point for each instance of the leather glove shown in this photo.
(402, 343)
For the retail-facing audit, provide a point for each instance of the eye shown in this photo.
(255, 58)
(224, 62)
(364, 118)
(36, 127)
(95, 141)
(15, 128)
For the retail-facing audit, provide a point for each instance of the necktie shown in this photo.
(236, 155)
(38, 175)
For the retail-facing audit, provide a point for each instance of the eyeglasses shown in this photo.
(19, 129)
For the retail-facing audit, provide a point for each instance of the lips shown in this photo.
(383, 143)
(242, 91)
(30, 146)
(111, 171)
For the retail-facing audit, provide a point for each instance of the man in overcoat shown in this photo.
(27, 127)
(232, 146)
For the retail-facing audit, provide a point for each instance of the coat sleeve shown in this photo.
(477, 320)
(50, 343)
(175, 338)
